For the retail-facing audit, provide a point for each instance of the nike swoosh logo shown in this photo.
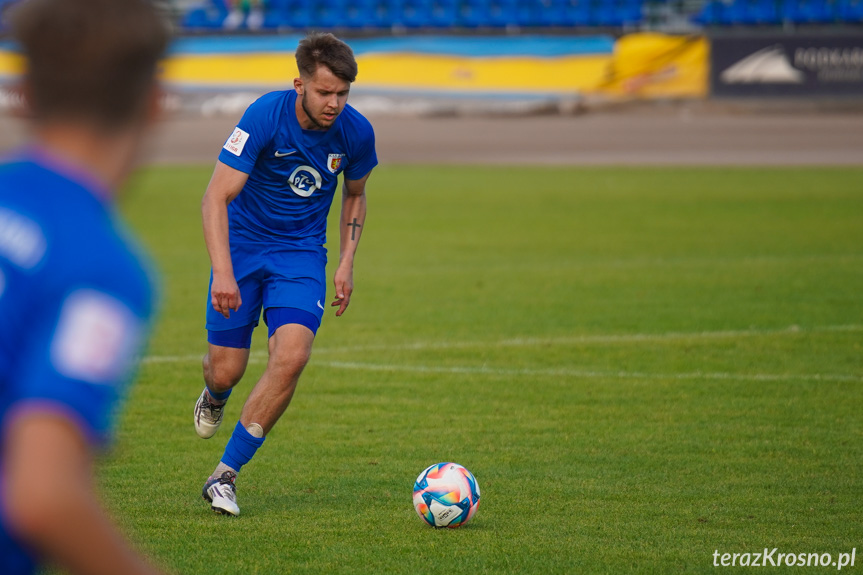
(279, 154)
(319, 304)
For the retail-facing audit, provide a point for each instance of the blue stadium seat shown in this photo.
(631, 12)
(390, 13)
(443, 13)
(616, 13)
(767, 12)
(550, 13)
(326, 15)
(578, 12)
(297, 14)
(384, 14)
(606, 15)
(746, 13)
(360, 14)
(809, 11)
(733, 14)
(501, 13)
(850, 11)
(760, 12)
(473, 14)
(208, 15)
(710, 14)
(415, 13)
(527, 13)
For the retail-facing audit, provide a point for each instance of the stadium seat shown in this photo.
(325, 15)
(360, 14)
(414, 13)
(443, 13)
(549, 13)
(297, 14)
(375, 14)
(501, 13)
(473, 14)
(527, 13)
(850, 11)
(759, 12)
(577, 12)
(710, 14)
(631, 12)
(208, 15)
(809, 11)
(734, 14)
(616, 13)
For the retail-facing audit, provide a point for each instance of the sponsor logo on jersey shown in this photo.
(305, 180)
(334, 162)
(97, 338)
(237, 141)
(21, 239)
(279, 154)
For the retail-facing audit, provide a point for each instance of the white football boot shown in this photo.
(208, 416)
(221, 493)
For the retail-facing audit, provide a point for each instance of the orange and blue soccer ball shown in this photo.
(446, 495)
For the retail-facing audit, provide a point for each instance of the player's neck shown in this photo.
(106, 156)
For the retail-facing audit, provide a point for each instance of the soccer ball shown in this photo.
(446, 495)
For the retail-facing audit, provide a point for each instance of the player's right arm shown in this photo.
(225, 185)
(74, 361)
(49, 496)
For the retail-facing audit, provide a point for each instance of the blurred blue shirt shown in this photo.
(75, 304)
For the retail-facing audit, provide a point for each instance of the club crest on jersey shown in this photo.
(334, 162)
(305, 180)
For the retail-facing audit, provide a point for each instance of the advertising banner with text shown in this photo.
(787, 66)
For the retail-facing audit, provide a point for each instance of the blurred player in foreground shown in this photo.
(75, 300)
(265, 222)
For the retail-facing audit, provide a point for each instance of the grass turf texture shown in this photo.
(640, 366)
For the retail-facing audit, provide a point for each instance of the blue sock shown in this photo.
(223, 396)
(241, 447)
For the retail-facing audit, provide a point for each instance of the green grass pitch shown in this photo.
(641, 366)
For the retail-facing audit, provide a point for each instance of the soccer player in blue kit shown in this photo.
(75, 298)
(265, 215)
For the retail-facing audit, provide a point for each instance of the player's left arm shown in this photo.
(352, 221)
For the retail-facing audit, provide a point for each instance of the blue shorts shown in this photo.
(273, 278)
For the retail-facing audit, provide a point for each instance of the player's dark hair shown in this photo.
(324, 49)
(90, 60)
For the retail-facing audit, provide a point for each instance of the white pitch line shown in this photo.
(591, 339)
(586, 374)
(258, 356)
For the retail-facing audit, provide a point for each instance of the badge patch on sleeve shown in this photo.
(96, 338)
(237, 141)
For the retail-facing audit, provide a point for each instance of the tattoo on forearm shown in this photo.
(354, 227)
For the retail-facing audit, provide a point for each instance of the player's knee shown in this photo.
(221, 376)
(289, 364)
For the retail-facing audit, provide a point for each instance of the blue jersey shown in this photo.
(293, 173)
(75, 303)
